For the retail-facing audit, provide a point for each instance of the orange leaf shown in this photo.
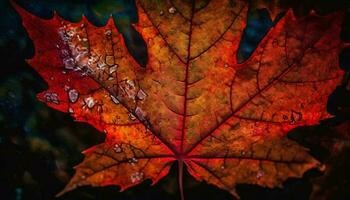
(192, 103)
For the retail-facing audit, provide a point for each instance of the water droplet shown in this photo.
(99, 109)
(259, 174)
(222, 167)
(66, 88)
(83, 177)
(70, 110)
(71, 33)
(132, 161)
(64, 53)
(113, 69)
(128, 88)
(150, 42)
(136, 177)
(108, 32)
(243, 153)
(172, 10)
(101, 65)
(68, 63)
(52, 97)
(117, 148)
(161, 13)
(141, 94)
(73, 95)
(92, 59)
(130, 83)
(226, 65)
(132, 117)
(139, 113)
(90, 102)
(114, 99)
(295, 117)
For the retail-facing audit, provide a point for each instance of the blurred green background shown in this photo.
(40, 146)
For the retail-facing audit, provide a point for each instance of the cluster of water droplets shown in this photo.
(117, 148)
(133, 161)
(136, 177)
(52, 97)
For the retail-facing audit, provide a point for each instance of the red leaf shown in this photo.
(193, 103)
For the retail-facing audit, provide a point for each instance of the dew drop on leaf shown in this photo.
(114, 99)
(141, 94)
(66, 88)
(108, 32)
(52, 97)
(73, 95)
(172, 10)
(259, 174)
(70, 110)
(150, 42)
(113, 69)
(128, 87)
(68, 63)
(132, 117)
(136, 177)
(90, 102)
(139, 113)
(117, 148)
(132, 161)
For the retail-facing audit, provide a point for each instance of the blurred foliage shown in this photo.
(39, 146)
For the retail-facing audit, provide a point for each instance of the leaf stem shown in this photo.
(181, 166)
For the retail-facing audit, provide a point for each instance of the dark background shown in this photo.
(39, 146)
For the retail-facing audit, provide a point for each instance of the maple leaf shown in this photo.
(193, 103)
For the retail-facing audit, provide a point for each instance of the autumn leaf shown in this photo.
(193, 103)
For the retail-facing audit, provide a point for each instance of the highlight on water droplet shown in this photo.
(172, 10)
